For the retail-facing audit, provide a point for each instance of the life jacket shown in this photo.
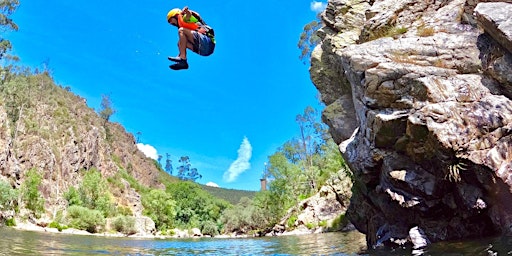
(208, 31)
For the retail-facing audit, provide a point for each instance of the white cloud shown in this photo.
(241, 164)
(212, 184)
(148, 150)
(318, 6)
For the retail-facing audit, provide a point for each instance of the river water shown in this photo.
(15, 242)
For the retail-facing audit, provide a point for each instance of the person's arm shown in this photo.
(190, 16)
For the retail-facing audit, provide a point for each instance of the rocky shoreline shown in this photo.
(194, 233)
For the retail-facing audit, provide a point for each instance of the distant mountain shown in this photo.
(231, 195)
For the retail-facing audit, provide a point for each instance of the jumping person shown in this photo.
(193, 33)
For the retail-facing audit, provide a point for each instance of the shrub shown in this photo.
(85, 219)
(159, 206)
(125, 225)
(310, 225)
(8, 196)
(73, 197)
(210, 228)
(10, 222)
(30, 191)
(338, 223)
(291, 220)
(58, 226)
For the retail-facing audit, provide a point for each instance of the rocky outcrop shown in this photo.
(418, 96)
(324, 211)
(49, 129)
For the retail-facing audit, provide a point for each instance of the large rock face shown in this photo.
(418, 98)
(58, 135)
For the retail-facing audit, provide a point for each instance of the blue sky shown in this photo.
(228, 112)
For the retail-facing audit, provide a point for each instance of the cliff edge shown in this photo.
(418, 97)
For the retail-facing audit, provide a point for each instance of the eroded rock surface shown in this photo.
(417, 96)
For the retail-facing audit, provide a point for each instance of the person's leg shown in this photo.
(186, 40)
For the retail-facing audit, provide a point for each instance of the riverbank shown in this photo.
(194, 233)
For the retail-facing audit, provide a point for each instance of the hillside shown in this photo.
(231, 195)
(46, 127)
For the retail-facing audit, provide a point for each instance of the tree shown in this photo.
(312, 134)
(33, 199)
(309, 39)
(302, 164)
(168, 164)
(106, 110)
(7, 8)
(185, 172)
(160, 207)
(7, 197)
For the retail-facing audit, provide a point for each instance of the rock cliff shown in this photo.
(47, 128)
(418, 97)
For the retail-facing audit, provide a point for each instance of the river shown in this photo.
(16, 242)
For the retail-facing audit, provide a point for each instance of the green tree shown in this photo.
(309, 39)
(106, 109)
(32, 198)
(194, 206)
(160, 207)
(186, 172)
(168, 164)
(92, 193)
(8, 196)
(301, 165)
(7, 8)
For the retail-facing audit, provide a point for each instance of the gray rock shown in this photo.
(496, 19)
(423, 118)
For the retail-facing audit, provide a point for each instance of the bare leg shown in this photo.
(186, 41)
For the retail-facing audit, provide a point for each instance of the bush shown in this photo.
(85, 219)
(160, 207)
(339, 223)
(10, 222)
(73, 197)
(8, 196)
(58, 226)
(210, 228)
(291, 221)
(34, 201)
(125, 225)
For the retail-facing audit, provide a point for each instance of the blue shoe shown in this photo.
(182, 64)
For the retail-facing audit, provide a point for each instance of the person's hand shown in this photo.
(185, 10)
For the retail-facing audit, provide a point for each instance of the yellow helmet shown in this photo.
(173, 13)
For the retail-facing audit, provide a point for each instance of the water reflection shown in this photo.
(15, 242)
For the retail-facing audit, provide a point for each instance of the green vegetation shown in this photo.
(33, 199)
(11, 222)
(297, 170)
(160, 207)
(86, 219)
(8, 196)
(7, 8)
(185, 170)
(93, 193)
(125, 225)
(194, 206)
(309, 39)
(57, 225)
(233, 196)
